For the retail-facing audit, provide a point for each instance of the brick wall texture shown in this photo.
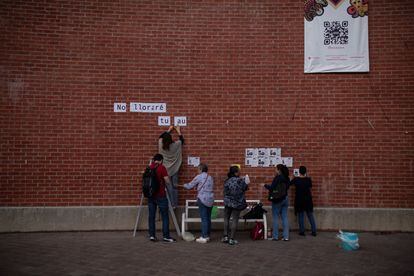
(234, 68)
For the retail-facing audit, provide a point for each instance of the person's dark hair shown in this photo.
(279, 167)
(232, 171)
(166, 141)
(203, 167)
(302, 170)
(158, 157)
(284, 171)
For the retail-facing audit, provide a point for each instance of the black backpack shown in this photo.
(256, 212)
(150, 183)
(279, 193)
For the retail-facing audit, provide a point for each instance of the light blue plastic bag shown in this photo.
(349, 240)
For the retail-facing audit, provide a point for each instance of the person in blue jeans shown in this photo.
(159, 199)
(281, 204)
(205, 200)
(303, 200)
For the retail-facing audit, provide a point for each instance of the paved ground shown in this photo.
(118, 253)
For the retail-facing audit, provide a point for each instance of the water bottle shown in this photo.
(269, 233)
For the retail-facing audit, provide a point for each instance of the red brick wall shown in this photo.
(234, 68)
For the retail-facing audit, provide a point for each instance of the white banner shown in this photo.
(336, 36)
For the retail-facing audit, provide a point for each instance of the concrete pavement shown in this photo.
(118, 253)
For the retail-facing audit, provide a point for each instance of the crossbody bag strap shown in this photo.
(203, 183)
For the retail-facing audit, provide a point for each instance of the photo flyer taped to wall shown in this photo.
(251, 152)
(252, 162)
(275, 152)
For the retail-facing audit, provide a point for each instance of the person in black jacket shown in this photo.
(280, 204)
(303, 200)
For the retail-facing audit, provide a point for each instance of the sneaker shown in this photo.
(233, 242)
(153, 239)
(202, 240)
(169, 239)
(314, 234)
(274, 239)
(301, 233)
(225, 239)
(285, 239)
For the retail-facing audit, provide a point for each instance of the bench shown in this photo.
(191, 204)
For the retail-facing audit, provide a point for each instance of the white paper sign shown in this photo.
(251, 152)
(263, 152)
(164, 120)
(180, 121)
(296, 172)
(120, 107)
(288, 161)
(275, 152)
(251, 161)
(193, 161)
(274, 161)
(148, 107)
(263, 161)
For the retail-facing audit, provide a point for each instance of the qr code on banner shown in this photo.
(336, 32)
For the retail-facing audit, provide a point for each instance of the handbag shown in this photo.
(256, 212)
(278, 193)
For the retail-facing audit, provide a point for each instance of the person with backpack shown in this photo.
(303, 201)
(159, 198)
(172, 152)
(278, 195)
(205, 200)
(234, 202)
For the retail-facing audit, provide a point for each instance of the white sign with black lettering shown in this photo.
(164, 120)
(148, 107)
(120, 107)
(180, 121)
